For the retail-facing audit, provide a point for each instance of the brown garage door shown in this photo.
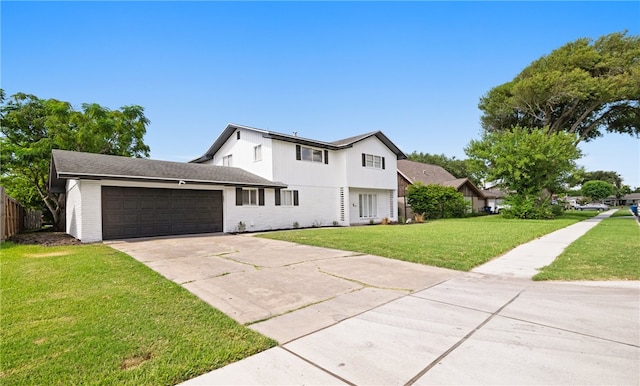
(143, 212)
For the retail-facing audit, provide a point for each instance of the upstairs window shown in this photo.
(305, 153)
(227, 160)
(372, 161)
(257, 153)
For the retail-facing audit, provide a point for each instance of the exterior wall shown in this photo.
(290, 171)
(269, 217)
(386, 205)
(84, 210)
(242, 153)
(363, 177)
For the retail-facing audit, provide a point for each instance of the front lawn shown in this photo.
(460, 244)
(609, 251)
(91, 315)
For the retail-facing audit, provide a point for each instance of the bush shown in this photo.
(436, 201)
(530, 207)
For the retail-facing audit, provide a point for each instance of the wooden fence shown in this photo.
(14, 218)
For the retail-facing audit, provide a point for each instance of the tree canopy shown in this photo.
(597, 190)
(31, 127)
(583, 87)
(525, 161)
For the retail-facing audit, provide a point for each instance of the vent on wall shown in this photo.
(391, 200)
(341, 204)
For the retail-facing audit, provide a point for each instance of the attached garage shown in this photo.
(111, 197)
(141, 212)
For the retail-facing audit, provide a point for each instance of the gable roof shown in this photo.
(336, 145)
(425, 173)
(77, 165)
(413, 172)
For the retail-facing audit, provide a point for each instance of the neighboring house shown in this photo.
(346, 182)
(248, 180)
(410, 172)
(627, 199)
(494, 199)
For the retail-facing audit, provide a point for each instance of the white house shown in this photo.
(350, 181)
(248, 180)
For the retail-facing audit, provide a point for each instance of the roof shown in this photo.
(336, 145)
(427, 174)
(77, 165)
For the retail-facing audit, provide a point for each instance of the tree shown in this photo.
(530, 163)
(436, 201)
(597, 190)
(457, 167)
(32, 127)
(600, 175)
(583, 87)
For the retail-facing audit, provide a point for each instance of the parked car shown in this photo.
(593, 206)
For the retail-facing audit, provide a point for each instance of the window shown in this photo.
(250, 197)
(304, 153)
(226, 160)
(372, 161)
(238, 134)
(287, 198)
(368, 205)
(257, 153)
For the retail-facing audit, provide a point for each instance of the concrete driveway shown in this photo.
(348, 318)
(255, 280)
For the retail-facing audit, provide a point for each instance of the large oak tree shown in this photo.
(31, 127)
(585, 87)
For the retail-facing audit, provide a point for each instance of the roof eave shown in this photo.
(87, 176)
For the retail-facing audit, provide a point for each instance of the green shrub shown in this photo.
(436, 201)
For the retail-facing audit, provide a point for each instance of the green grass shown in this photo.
(609, 251)
(459, 244)
(91, 315)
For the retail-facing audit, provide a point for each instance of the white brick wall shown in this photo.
(84, 210)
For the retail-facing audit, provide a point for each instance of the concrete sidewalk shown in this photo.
(525, 260)
(491, 326)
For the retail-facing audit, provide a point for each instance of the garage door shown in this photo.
(143, 212)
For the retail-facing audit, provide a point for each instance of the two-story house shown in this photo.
(350, 181)
(248, 180)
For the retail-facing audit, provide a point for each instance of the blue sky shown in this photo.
(328, 70)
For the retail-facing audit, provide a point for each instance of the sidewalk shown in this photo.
(490, 326)
(525, 260)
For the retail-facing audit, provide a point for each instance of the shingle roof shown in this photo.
(427, 174)
(336, 145)
(70, 164)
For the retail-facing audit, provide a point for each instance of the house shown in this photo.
(248, 180)
(410, 172)
(627, 199)
(346, 182)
